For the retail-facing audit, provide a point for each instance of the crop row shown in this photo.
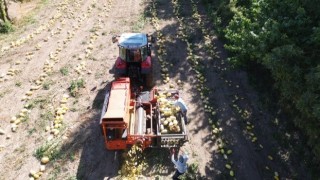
(244, 114)
(58, 17)
(46, 70)
(56, 125)
(198, 68)
(61, 9)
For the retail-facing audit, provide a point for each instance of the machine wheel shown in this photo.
(149, 80)
(119, 75)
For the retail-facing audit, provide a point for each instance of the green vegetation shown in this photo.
(192, 172)
(75, 86)
(18, 84)
(54, 174)
(31, 131)
(64, 71)
(9, 25)
(72, 178)
(42, 101)
(157, 159)
(26, 20)
(24, 1)
(2, 93)
(6, 27)
(47, 116)
(49, 149)
(20, 149)
(72, 156)
(98, 74)
(46, 85)
(278, 43)
(139, 25)
(132, 163)
(92, 30)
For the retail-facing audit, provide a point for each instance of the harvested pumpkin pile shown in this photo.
(170, 121)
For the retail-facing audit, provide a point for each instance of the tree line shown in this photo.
(5, 21)
(279, 42)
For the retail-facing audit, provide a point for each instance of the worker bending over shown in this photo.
(183, 107)
(180, 164)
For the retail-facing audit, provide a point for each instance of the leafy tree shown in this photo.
(5, 25)
(282, 37)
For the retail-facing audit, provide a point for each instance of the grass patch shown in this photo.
(45, 117)
(75, 87)
(72, 156)
(132, 163)
(192, 172)
(139, 25)
(101, 46)
(48, 115)
(72, 178)
(73, 109)
(31, 131)
(3, 93)
(18, 84)
(45, 2)
(20, 149)
(75, 102)
(46, 85)
(92, 30)
(54, 174)
(64, 71)
(6, 27)
(20, 25)
(29, 18)
(98, 75)
(29, 105)
(157, 160)
(49, 149)
(56, 152)
(42, 101)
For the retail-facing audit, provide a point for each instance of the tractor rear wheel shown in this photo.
(149, 80)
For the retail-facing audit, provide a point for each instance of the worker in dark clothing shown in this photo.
(183, 107)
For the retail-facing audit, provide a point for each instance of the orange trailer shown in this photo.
(128, 118)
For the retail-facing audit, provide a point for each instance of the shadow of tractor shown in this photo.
(96, 162)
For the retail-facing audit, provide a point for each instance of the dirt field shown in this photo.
(70, 41)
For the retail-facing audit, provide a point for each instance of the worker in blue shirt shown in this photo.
(183, 107)
(180, 164)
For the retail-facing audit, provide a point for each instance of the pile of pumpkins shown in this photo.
(169, 123)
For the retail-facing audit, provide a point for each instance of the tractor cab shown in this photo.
(133, 47)
(134, 58)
